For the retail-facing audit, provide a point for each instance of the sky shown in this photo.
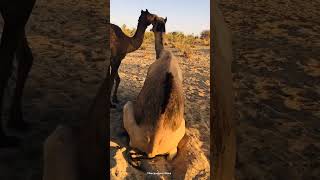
(187, 16)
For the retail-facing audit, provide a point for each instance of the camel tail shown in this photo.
(168, 85)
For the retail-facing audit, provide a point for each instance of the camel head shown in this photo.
(147, 18)
(159, 25)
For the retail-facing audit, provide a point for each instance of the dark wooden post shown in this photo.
(223, 141)
(94, 141)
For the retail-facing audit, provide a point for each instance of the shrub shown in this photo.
(185, 43)
(205, 34)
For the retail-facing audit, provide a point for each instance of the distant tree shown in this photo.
(205, 34)
(127, 30)
(174, 33)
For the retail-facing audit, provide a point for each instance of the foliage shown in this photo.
(205, 34)
(185, 43)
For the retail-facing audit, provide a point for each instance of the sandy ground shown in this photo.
(277, 82)
(63, 81)
(276, 78)
(133, 71)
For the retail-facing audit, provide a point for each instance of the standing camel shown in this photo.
(15, 14)
(121, 44)
(155, 122)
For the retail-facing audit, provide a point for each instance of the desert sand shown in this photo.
(276, 79)
(68, 43)
(276, 74)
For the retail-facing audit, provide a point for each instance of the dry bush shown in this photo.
(148, 37)
(205, 37)
(128, 31)
(185, 43)
(205, 34)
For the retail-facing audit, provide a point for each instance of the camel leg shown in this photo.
(60, 155)
(117, 80)
(129, 122)
(134, 132)
(11, 36)
(25, 58)
(115, 64)
(114, 71)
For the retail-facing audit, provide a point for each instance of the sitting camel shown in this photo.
(79, 152)
(155, 122)
(121, 44)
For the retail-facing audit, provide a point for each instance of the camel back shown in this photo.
(161, 97)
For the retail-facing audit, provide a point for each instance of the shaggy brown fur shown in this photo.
(161, 95)
(167, 91)
(155, 122)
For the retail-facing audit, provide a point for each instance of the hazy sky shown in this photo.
(188, 16)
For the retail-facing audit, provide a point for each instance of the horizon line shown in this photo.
(179, 31)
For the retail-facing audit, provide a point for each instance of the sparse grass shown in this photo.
(185, 43)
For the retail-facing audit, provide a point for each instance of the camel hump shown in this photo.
(165, 55)
(168, 84)
(117, 30)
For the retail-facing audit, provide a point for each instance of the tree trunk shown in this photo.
(93, 141)
(223, 142)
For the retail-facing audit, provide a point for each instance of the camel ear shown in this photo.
(165, 20)
(142, 11)
(147, 11)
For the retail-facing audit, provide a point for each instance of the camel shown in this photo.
(121, 45)
(155, 121)
(14, 43)
(76, 153)
(158, 29)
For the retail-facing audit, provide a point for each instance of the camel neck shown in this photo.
(158, 43)
(137, 38)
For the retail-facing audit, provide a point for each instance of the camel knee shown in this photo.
(128, 115)
(129, 121)
(59, 155)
